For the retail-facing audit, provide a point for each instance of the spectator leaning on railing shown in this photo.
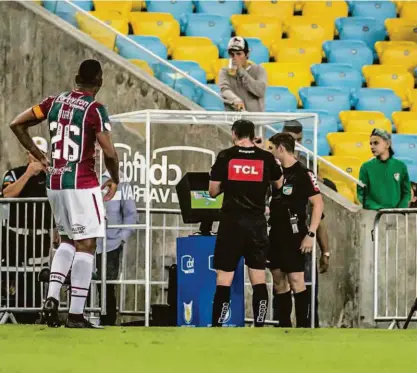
(242, 83)
(387, 184)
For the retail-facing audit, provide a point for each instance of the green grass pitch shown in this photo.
(33, 349)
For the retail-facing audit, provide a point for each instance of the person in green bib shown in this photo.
(386, 178)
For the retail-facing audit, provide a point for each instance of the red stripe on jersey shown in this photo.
(246, 170)
(96, 207)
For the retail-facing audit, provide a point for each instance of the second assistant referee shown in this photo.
(244, 173)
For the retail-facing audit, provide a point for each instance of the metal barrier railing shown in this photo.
(395, 265)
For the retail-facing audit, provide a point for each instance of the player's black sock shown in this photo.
(221, 305)
(259, 304)
(283, 304)
(301, 309)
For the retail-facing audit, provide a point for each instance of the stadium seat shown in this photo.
(346, 191)
(219, 7)
(352, 52)
(350, 144)
(380, 10)
(277, 9)
(336, 75)
(401, 29)
(367, 125)
(328, 9)
(130, 51)
(289, 50)
(405, 122)
(412, 97)
(99, 32)
(162, 25)
(268, 29)
(322, 144)
(349, 164)
(310, 28)
(122, 7)
(138, 5)
(217, 66)
(65, 10)
(143, 65)
(291, 75)
(108, 15)
(177, 8)
(346, 116)
(405, 145)
(258, 52)
(367, 29)
(217, 28)
(279, 99)
(209, 101)
(409, 10)
(396, 78)
(205, 55)
(331, 99)
(402, 53)
(326, 122)
(372, 99)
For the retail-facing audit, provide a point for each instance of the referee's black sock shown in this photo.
(301, 309)
(221, 305)
(282, 308)
(259, 304)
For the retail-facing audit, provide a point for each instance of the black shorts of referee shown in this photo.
(244, 236)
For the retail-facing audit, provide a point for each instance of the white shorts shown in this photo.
(79, 213)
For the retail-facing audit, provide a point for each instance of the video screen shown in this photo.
(202, 200)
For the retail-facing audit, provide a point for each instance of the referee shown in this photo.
(243, 173)
(290, 239)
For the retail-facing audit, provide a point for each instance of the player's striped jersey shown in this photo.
(74, 119)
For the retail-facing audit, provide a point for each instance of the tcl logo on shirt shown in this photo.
(246, 170)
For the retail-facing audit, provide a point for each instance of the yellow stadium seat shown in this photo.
(350, 144)
(412, 98)
(291, 75)
(367, 125)
(290, 50)
(279, 9)
(399, 5)
(99, 32)
(409, 10)
(403, 53)
(217, 66)
(351, 165)
(401, 29)
(205, 55)
(405, 122)
(268, 29)
(325, 9)
(346, 191)
(347, 115)
(310, 28)
(143, 65)
(123, 7)
(138, 5)
(396, 78)
(189, 41)
(106, 15)
(162, 25)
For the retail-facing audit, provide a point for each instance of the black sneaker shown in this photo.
(49, 314)
(79, 322)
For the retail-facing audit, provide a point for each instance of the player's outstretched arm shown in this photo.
(20, 127)
(111, 161)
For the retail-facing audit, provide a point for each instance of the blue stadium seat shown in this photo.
(377, 99)
(130, 51)
(258, 52)
(327, 123)
(66, 11)
(221, 8)
(279, 99)
(355, 53)
(323, 147)
(367, 29)
(405, 146)
(376, 9)
(217, 28)
(336, 75)
(411, 166)
(167, 75)
(331, 99)
(209, 101)
(177, 8)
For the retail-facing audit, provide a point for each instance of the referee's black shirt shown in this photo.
(245, 175)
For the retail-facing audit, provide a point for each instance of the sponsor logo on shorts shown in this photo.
(246, 170)
(59, 171)
(187, 264)
(188, 312)
(78, 229)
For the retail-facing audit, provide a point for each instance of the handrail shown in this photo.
(166, 63)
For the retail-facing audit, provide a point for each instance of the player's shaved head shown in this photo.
(89, 74)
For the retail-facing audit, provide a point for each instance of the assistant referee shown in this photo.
(243, 173)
